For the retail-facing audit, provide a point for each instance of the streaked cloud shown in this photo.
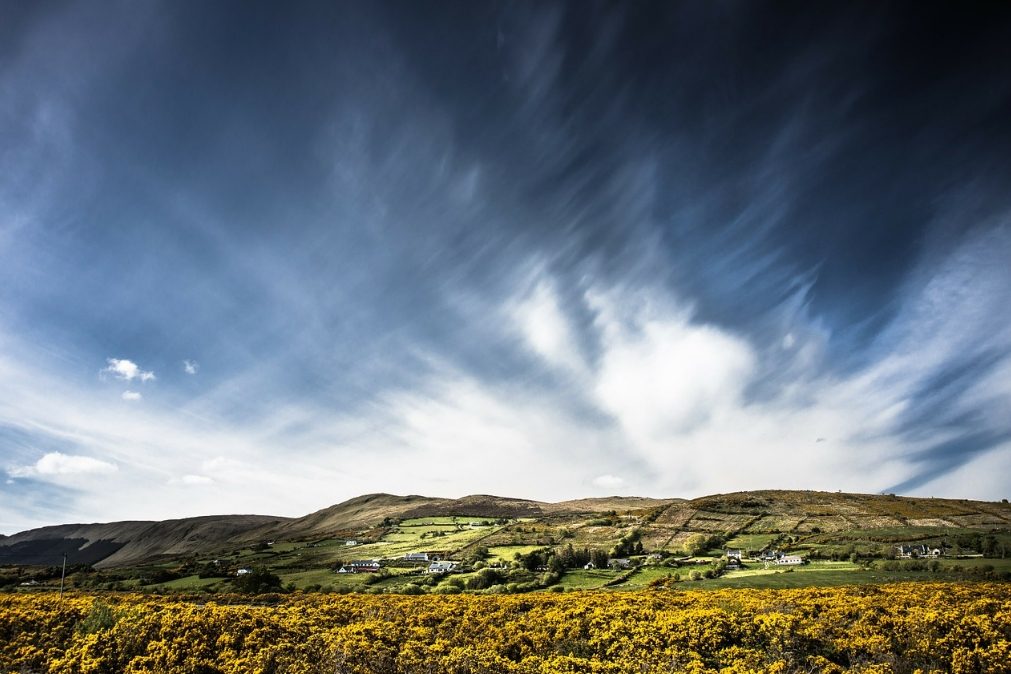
(516, 262)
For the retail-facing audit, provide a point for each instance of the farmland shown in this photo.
(526, 546)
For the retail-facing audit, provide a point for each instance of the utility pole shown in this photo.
(63, 575)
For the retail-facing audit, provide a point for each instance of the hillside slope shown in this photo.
(662, 524)
(121, 543)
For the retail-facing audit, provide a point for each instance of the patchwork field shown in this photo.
(534, 546)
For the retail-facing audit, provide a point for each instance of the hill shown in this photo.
(388, 522)
(123, 543)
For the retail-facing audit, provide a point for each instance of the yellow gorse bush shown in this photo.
(902, 628)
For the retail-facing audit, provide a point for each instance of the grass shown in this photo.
(586, 579)
(897, 534)
(644, 576)
(445, 521)
(818, 577)
(507, 552)
(975, 562)
(189, 583)
(752, 541)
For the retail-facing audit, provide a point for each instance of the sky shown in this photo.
(265, 257)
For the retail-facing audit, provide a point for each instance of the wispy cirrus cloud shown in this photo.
(569, 261)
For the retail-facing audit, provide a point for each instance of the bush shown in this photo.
(99, 618)
(259, 581)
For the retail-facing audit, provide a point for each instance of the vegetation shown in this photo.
(535, 546)
(961, 628)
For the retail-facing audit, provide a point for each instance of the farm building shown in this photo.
(911, 551)
(441, 567)
(361, 566)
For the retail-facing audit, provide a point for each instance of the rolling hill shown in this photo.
(661, 524)
(123, 543)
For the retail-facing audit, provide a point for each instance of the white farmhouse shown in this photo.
(441, 567)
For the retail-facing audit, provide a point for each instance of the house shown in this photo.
(655, 556)
(441, 567)
(734, 554)
(351, 543)
(589, 565)
(243, 571)
(734, 563)
(619, 563)
(364, 566)
(475, 525)
(913, 551)
(790, 560)
(416, 556)
(770, 555)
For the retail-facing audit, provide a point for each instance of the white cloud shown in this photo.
(57, 463)
(669, 375)
(543, 325)
(131, 395)
(191, 366)
(126, 370)
(655, 396)
(192, 480)
(608, 482)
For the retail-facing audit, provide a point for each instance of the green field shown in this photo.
(189, 583)
(644, 576)
(506, 553)
(445, 521)
(585, 579)
(752, 541)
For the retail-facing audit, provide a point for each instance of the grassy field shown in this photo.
(586, 579)
(507, 552)
(644, 576)
(445, 521)
(188, 583)
(752, 541)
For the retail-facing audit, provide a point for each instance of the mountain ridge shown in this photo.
(665, 520)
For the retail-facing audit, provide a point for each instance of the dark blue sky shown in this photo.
(263, 257)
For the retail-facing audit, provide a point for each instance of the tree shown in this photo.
(696, 544)
(258, 581)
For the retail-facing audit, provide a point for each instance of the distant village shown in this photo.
(734, 558)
